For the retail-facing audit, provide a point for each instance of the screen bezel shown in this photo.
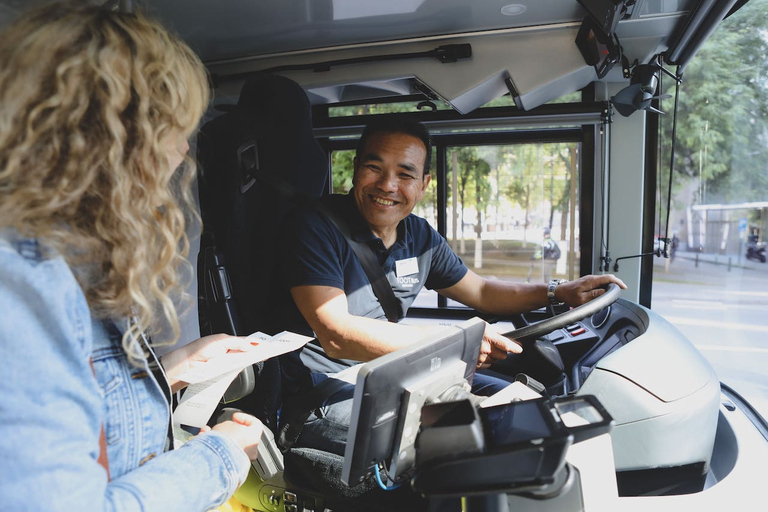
(376, 412)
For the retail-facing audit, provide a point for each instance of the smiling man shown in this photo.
(333, 300)
(390, 178)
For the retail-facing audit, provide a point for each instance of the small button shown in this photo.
(556, 336)
(290, 507)
(571, 327)
(290, 497)
(578, 331)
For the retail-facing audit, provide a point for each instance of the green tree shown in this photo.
(527, 178)
(343, 169)
(473, 177)
(723, 120)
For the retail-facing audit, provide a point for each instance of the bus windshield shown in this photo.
(714, 285)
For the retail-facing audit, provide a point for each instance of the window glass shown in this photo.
(342, 170)
(498, 206)
(512, 211)
(507, 101)
(413, 106)
(385, 108)
(708, 288)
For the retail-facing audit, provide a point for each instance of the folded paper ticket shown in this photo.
(209, 381)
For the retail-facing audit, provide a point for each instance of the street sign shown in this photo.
(742, 227)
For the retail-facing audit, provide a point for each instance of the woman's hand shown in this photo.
(243, 429)
(199, 352)
(495, 347)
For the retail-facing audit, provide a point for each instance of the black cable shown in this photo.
(659, 148)
(605, 168)
(672, 161)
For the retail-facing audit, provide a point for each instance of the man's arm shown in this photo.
(504, 297)
(347, 336)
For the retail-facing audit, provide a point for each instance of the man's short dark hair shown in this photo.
(397, 124)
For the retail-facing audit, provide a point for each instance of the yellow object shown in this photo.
(233, 505)
(248, 493)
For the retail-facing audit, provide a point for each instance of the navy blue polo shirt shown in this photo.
(316, 253)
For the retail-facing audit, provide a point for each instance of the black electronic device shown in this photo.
(523, 447)
(390, 392)
(599, 48)
(606, 13)
(583, 417)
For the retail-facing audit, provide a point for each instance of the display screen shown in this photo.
(382, 430)
(514, 423)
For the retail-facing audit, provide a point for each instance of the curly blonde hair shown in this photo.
(89, 100)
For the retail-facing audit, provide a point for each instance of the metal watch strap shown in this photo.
(551, 288)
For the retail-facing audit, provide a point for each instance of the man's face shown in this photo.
(389, 179)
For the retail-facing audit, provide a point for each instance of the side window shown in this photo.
(512, 209)
(500, 200)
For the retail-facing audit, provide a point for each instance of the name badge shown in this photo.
(406, 267)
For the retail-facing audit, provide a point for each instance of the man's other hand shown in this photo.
(583, 290)
(495, 347)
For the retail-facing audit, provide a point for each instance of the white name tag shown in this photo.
(406, 267)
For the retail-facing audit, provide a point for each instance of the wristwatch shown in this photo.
(551, 287)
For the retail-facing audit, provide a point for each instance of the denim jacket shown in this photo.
(53, 405)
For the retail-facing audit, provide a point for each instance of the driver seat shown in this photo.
(268, 131)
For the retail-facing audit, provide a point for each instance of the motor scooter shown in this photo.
(755, 249)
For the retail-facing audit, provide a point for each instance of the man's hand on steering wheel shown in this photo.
(583, 290)
(495, 347)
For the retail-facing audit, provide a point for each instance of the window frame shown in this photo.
(582, 124)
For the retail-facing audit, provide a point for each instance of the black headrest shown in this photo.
(282, 114)
(279, 100)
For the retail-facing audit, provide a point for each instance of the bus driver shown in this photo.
(331, 296)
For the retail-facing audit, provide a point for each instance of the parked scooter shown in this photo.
(755, 249)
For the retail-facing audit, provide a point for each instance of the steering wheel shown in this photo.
(533, 331)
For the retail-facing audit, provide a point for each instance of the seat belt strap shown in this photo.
(379, 282)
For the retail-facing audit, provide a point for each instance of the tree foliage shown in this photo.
(723, 114)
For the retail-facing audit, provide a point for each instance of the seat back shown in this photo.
(269, 131)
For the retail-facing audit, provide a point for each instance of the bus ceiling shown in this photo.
(526, 48)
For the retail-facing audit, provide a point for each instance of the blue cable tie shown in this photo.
(381, 484)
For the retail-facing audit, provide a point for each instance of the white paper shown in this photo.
(269, 346)
(209, 381)
(200, 400)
